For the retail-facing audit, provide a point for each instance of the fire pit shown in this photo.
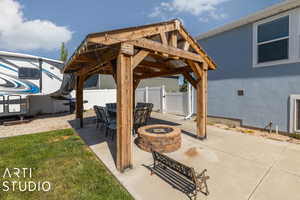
(161, 138)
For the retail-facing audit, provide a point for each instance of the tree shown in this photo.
(184, 85)
(63, 53)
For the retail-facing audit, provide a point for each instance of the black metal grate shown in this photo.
(159, 130)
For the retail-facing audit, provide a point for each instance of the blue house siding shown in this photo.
(266, 89)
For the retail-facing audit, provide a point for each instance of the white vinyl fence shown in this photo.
(151, 95)
(98, 97)
(175, 103)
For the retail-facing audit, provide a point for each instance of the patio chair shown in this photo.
(140, 115)
(111, 106)
(102, 118)
(149, 106)
(98, 116)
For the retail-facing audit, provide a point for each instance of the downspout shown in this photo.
(190, 102)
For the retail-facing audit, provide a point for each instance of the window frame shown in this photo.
(293, 39)
(29, 78)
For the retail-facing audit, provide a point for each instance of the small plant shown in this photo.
(248, 131)
(232, 126)
(294, 135)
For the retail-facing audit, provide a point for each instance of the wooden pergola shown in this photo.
(133, 54)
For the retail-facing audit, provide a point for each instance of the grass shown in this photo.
(61, 158)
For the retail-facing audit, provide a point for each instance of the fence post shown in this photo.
(163, 99)
(189, 101)
(146, 94)
(193, 100)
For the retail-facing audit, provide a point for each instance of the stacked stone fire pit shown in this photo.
(161, 138)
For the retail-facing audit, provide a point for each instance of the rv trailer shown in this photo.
(27, 83)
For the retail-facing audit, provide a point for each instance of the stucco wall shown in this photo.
(267, 89)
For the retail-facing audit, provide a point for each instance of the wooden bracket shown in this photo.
(188, 77)
(196, 68)
(139, 57)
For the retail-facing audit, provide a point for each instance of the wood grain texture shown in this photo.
(124, 112)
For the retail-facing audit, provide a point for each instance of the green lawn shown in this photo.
(61, 158)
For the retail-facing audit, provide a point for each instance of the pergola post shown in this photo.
(124, 112)
(79, 99)
(202, 105)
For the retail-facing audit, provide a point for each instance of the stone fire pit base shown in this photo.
(161, 138)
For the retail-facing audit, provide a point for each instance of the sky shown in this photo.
(39, 27)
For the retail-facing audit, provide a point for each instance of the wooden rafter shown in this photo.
(175, 71)
(122, 35)
(156, 46)
(143, 69)
(161, 66)
(104, 58)
(194, 44)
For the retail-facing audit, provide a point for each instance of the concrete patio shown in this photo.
(240, 166)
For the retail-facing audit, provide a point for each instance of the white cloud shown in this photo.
(203, 9)
(17, 33)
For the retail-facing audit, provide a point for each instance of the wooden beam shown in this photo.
(159, 65)
(186, 46)
(175, 71)
(124, 112)
(79, 99)
(101, 59)
(139, 57)
(173, 39)
(99, 69)
(114, 71)
(195, 45)
(98, 59)
(158, 47)
(144, 69)
(190, 79)
(163, 38)
(113, 37)
(202, 106)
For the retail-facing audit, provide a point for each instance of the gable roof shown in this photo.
(262, 14)
(110, 39)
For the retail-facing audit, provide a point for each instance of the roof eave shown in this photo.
(262, 14)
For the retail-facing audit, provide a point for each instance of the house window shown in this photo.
(273, 40)
(29, 73)
(294, 118)
(92, 82)
(240, 92)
